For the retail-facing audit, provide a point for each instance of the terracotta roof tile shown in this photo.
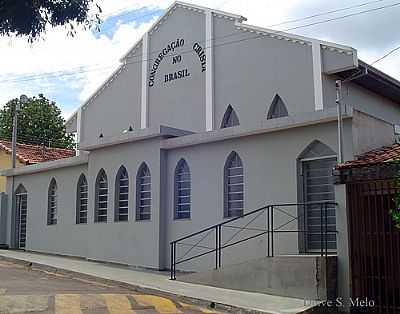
(377, 156)
(33, 154)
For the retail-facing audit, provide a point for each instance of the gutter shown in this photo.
(45, 166)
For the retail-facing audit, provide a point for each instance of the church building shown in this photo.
(206, 119)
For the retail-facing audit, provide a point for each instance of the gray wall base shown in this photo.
(304, 277)
(3, 221)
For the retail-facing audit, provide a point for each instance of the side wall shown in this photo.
(3, 219)
(361, 99)
(66, 237)
(370, 133)
(128, 242)
(270, 171)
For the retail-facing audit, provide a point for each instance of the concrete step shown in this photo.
(307, 277)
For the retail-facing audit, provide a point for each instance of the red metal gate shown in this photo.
(374, 246)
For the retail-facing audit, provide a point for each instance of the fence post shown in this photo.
(220, 245)
(268, 241)
(326, 228)
(272, 231)
(321, 230)
(174, 246)
(172, 261)
(216, 247)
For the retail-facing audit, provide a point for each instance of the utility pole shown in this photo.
(17, 106)
(339, 120)
(22, 100)
(14, 134)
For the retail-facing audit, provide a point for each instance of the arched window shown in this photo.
(52, 203)
(82, 200)
(233, 186)
(143, 193)
(182, 190)
(21, 200)
(315, 179)
(101, 204)
(230, 118)
(277, 108)
(121, 195)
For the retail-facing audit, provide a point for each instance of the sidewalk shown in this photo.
(160, 282)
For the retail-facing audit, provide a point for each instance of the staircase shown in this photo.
(264, 250)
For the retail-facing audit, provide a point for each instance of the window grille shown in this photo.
(52, 203)
(122, 195)
(101, 197)
(143, 193)
(277, 108)
(317, 162)
(234, 186)
(182, 190)
(82, 200)
(230, 118)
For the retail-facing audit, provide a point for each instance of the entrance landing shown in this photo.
(158, 282)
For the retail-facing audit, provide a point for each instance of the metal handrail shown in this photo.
(269, 231)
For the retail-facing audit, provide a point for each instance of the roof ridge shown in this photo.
(35, 145)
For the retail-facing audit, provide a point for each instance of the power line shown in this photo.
(386, 55)
(57, 75)
(326, 13)
(345, 16)
(33, 77)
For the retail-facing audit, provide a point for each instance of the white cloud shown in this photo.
(25, 67)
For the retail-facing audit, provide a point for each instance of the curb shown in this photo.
(136, 288)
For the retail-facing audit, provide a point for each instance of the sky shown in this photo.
(69, 69)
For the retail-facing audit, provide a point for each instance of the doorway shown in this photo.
(318, 187)
(21, 200)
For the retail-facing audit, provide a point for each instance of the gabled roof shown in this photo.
(390, 89)
(33, 154)
(377, 156)
(374, 80)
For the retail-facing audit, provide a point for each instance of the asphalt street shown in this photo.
(24, 289)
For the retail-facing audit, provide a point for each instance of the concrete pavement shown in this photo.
(159, 282)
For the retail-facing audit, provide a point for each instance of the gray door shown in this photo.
(318, 187)
(22, 208)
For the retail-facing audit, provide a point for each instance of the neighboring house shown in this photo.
(28, 154)
(207, 118)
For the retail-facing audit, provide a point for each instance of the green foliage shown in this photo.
(31, 17)
(395, 212)
(39, 122)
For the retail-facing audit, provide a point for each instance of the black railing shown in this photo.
(270, 231)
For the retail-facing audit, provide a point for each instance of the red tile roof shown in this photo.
(377, 156)
(33, 154)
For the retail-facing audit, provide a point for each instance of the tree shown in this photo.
(39, 122)
(31, 17)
